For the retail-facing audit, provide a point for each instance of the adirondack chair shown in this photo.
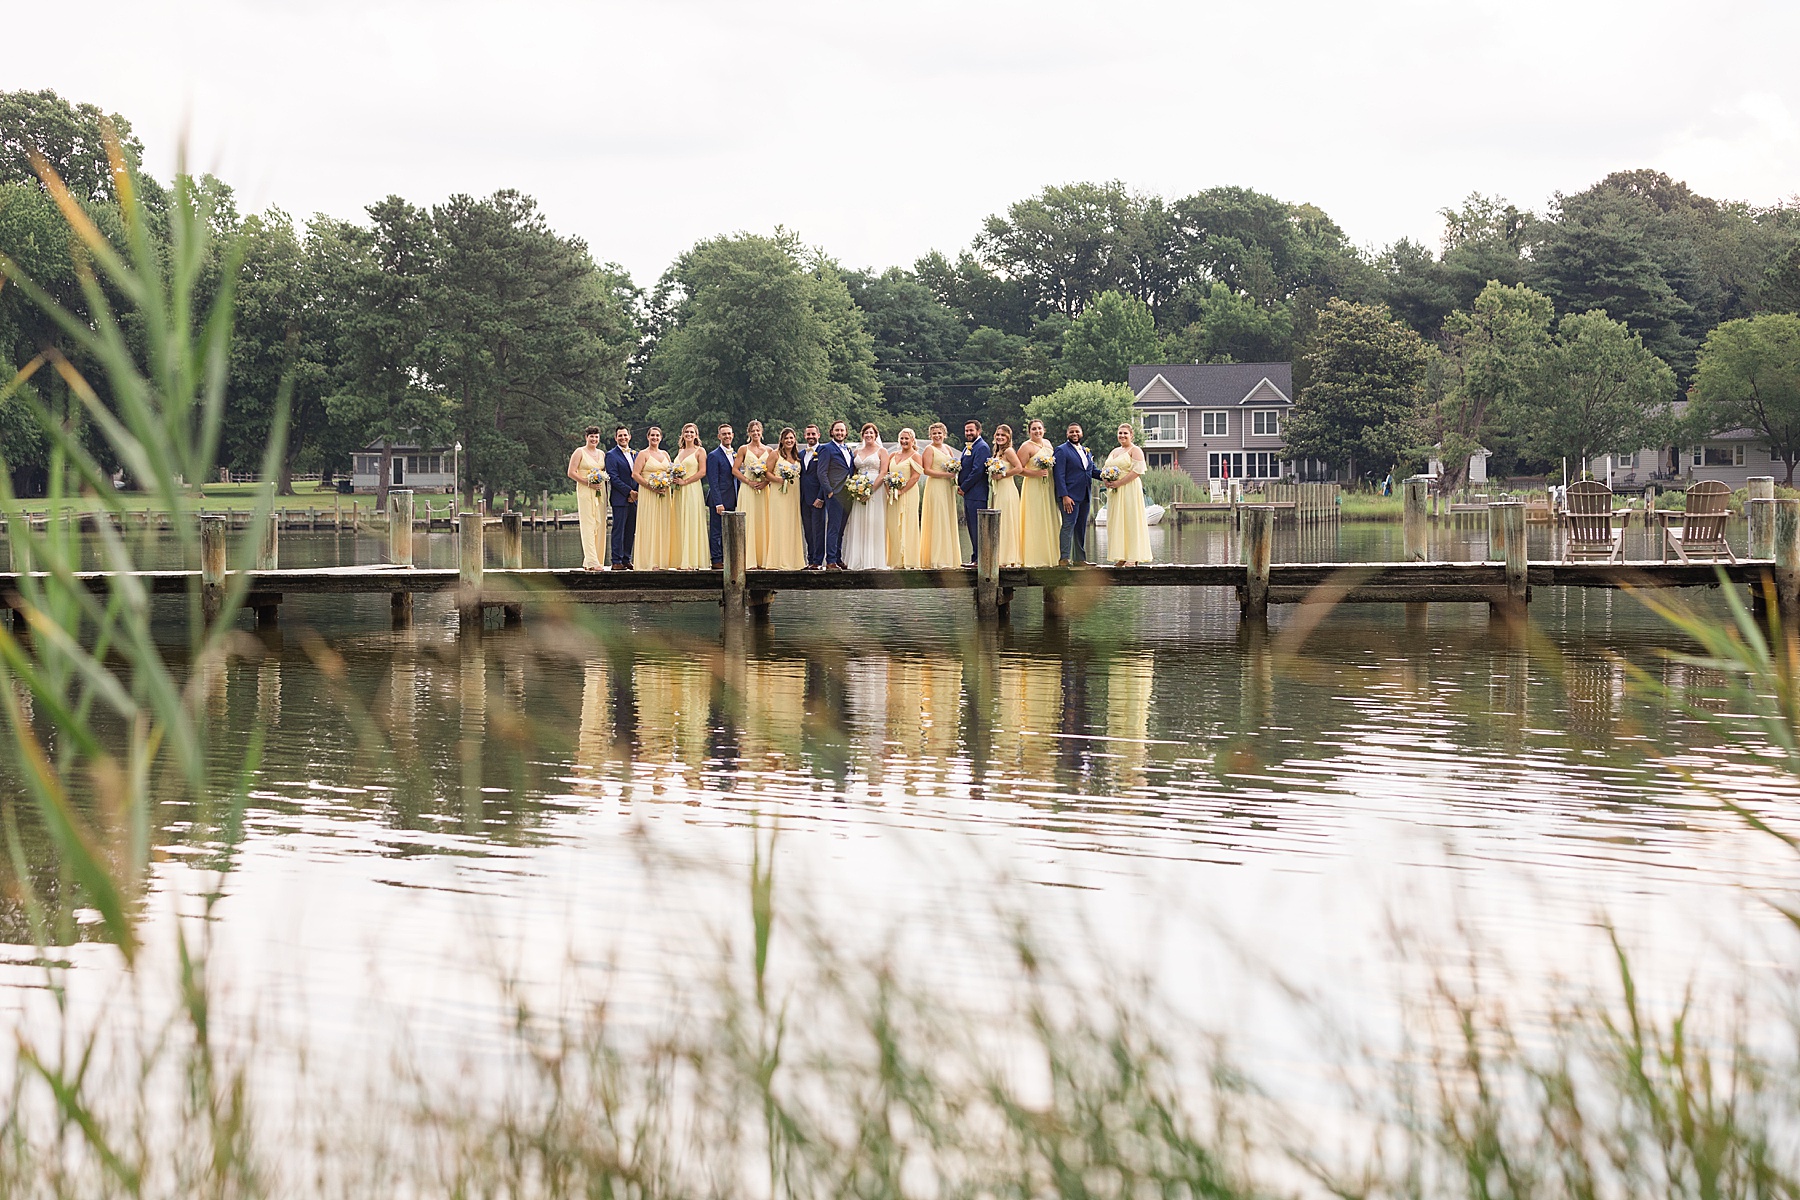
(1588, 524)
(1702, 532)
(1215, 490)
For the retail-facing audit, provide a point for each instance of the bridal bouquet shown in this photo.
(1043, 460)
(787, 471)
(895, 482)
(1111, 475)
(757, 470)
(660, 479)
(860, 487)
(996, 468)
(596, 477)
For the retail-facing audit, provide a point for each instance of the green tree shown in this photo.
(745, 336)
(1099, 408)
(1228, 326)
(1493, 359)
(852, 389)
(1365, 375)
(1749, 378)
(1065, 245)
(1415, 286)
(526, 339)
(1600, 391)
(68, 136)
(1112, 334)
(977, 295)
(922, 355)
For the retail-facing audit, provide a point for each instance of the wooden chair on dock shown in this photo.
(1588, 524)
(1702, 532)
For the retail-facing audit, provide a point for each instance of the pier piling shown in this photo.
(1256, 537)
(512, 557)
(1787, 560)
(1759, 511)
(735, 537)
(400, 550)
(212, 566)
(469, 571)
(1506, 542)
(987, 573)
(267, 605)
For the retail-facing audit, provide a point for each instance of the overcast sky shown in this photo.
(881, 131)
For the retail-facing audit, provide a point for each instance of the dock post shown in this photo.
(468, 591)
(212, 566)
(1506, 542)
(987, 574)
(267, 605)
(400, 551)
(1256, 537)
(1787, 560)
(512, 557)
(1759, 509)
(1415, 533)
(736, 547)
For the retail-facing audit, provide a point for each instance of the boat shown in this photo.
(1153, 515)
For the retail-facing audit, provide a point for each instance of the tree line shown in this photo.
(474, 320)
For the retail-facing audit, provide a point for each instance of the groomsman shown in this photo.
(721, 493)
(827, 501)
(812, 517)
(1074, 473)
(621, 495)
(972, 484)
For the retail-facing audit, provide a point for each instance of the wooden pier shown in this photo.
(1505, 582)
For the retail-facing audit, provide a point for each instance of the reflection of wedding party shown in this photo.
(834, 505)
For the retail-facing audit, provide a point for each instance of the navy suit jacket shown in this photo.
(827, 450)
(618, 474)
(1072, 480)
(721, 484)
(973, 477)
(809, 484)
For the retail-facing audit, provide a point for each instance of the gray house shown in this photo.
(1217, 420)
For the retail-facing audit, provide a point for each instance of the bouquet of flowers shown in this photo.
(860, 487)
(1111, 475)
(996, 468)
(660, 479)
(788, 471)
(596, 477)
(895, 482)
(757, 470)
(1043, 460)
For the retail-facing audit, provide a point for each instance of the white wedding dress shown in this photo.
(865, 533)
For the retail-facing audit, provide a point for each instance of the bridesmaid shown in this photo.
(938, 545)
(1040, 520)
(1127, 532)
(903, 505)
(1003, 493)
(753, 492)
(787, 540)
(590, 509)
(691, 549)
(653, 550)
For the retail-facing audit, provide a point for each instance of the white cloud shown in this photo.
(882, 131)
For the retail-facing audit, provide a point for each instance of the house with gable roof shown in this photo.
(1217, 420)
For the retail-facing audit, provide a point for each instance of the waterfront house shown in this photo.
(424, 468)
(1215, 420)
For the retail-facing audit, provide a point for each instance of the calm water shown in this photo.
(1215, 806)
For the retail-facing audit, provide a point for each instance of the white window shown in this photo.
(1699, 456)
(1160, 458)
(1721, 456)
(1215, 424)
(1624, 462)
(1161, 427)
(1265, 422)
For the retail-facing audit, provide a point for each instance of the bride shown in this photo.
(865, 534)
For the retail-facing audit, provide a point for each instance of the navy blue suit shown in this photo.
(620, 494)
(812, 520)
(1073, 473)
(721, 488)
(972, 478)
(836, 512)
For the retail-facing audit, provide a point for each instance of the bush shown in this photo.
(1171, 485)
(1099, 408)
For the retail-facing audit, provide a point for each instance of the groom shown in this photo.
(1074, 471)
(833, 459)
(721, 494)
(622, 496)
(812, 520)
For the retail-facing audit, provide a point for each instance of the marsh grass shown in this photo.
(797, 1068)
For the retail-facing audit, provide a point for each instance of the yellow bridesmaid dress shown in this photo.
(692, 549)
(1040, 521)
(903, 520)
(938, 544)
(787, 542)
(655, 545)
(1003, 494)
(755, 507)
(1127, 532)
